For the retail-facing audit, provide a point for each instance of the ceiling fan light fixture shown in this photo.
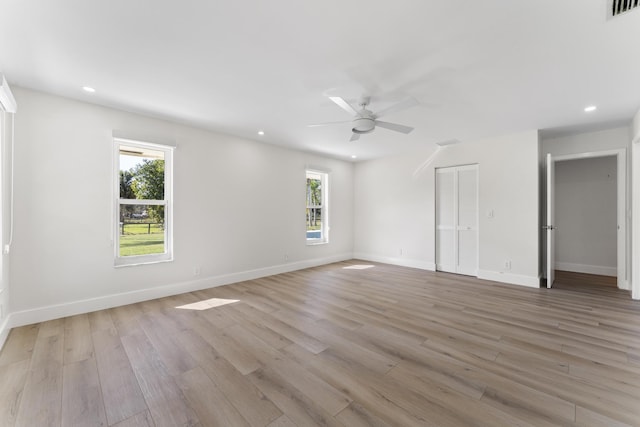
(363, 125)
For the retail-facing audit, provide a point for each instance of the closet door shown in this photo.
(457, 219)
(445, 220)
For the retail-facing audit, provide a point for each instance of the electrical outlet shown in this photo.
(286, 257)
(401, 251)
(507, 265)
(196, 270)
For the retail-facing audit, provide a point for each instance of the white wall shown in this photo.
(609, 139)
(5, 163)
(238, 210)
(394, 206)
(586, 215)
(634, 200)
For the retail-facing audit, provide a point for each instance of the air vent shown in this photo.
(618, 7)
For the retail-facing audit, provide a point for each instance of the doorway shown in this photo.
(585, 220)
(457, 219)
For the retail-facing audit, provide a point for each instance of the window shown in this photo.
(317, 209)
(143, 216)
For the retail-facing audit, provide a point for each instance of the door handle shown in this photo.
(549, 227)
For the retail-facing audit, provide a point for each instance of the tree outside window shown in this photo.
(316, 212)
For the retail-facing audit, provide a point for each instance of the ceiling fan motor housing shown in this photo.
(363, 125)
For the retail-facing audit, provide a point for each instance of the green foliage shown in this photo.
(145, 181)
(126, 192)
(314, 198)
(126, 182)
(148, 180)
(314, 191)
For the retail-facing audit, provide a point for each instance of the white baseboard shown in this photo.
(513, 279)
(588, 269)
(496, 276)
(4, 331)
(42, 314)
(403, 262)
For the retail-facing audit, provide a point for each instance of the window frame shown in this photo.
(167, 202)
(324, 221)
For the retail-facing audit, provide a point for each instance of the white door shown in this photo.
(549, 227)
(457, 219)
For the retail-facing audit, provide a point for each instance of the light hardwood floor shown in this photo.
(338, 345)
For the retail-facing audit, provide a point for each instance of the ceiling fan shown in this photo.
(365, 121)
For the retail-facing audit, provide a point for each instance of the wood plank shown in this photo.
(19, 344)
(586, 417)
(41, 403)
(200, 391)
(356, 415)
(164, 399)
(253, 320)
(77, 339)
(226, 346)
(12, 380)
(161, 333)
(282, 421)
(81, 396)
(324, 395)
(100, 320)
(254, 406)
(142, 419)
(356, 383)
(120, 390)
(448, 398)
(296, 405)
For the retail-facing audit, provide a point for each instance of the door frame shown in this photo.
(550, 213)
(621, 204)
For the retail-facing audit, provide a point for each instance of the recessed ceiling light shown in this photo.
(260, 132)
(354, 157)
(88, 89)
(590, 108)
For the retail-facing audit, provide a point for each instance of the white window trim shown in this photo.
(120, 261)
(325, 207)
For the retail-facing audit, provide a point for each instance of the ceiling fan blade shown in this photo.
(402, 105)
(355, 137)
(344, 105)
(328, 123)
(394, 126)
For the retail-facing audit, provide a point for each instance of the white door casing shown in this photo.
(549, 226)
(622, 279)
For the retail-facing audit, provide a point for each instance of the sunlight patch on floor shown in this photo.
(207, 304)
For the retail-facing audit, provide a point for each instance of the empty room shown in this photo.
(281, 214)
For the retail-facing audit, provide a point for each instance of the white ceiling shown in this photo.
(479, 68)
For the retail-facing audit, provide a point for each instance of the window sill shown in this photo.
(317, 242)
(141, 260)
